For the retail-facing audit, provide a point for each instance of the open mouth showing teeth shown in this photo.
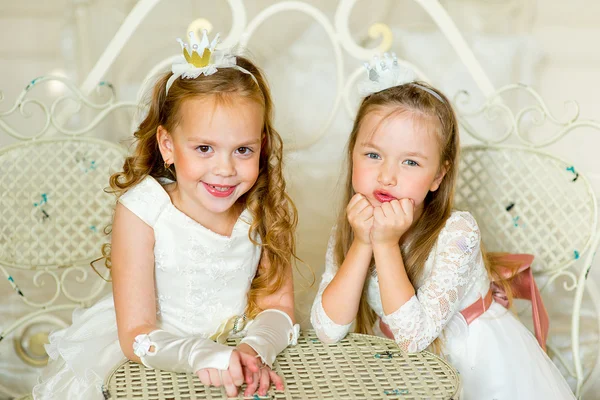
(220, 188)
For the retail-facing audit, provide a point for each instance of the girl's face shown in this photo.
(396, 157)
(215, 149)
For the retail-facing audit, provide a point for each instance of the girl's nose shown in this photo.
(387, 175)
(224, 166)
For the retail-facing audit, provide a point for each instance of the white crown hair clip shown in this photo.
(388, 72)
(202, 58)
(383, 74)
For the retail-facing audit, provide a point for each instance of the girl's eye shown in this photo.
(373, 156)
(411, 163)
(244, 151)
(204, 149)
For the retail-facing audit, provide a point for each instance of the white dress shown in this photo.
(202, 278)
(496, 356)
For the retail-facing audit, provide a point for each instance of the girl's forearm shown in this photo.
(394, 286)
(342, 295)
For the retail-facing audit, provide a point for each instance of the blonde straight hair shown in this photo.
(425, 107)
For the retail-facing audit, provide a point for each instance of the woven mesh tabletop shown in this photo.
(358, 367)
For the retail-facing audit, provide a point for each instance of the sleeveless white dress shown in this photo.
(496, 356)
(202, 279)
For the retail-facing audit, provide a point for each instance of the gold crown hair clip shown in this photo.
(202, 59)
(198, 54)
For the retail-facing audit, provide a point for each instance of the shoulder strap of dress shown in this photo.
(147, 200)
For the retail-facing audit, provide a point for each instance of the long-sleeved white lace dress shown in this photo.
(496, 356)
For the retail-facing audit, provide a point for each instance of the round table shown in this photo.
(358, 367)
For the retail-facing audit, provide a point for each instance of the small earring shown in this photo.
(167, 165)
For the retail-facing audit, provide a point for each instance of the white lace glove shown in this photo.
(180, 354)
(271, 332)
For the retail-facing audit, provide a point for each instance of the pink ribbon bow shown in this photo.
(523, 287)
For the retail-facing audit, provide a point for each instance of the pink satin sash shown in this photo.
(523, 287)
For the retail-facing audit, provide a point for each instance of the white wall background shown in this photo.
(45, 37)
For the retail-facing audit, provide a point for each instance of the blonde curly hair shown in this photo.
(274, 214)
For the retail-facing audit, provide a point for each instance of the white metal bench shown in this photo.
(527, 200)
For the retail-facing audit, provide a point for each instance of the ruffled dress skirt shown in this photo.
(81, 355)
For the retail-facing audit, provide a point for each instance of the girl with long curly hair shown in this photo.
(202, 241)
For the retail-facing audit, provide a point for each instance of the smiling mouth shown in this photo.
(219, 190)
(383, 197)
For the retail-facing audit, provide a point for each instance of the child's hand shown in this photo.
(391, 221)
(360, 216)
(258, 378)
(233, 377)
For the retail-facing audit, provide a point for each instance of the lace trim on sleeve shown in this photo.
(327, 330)
(419, 321)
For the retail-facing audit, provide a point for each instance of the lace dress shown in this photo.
(492, 351)
(202, 279)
